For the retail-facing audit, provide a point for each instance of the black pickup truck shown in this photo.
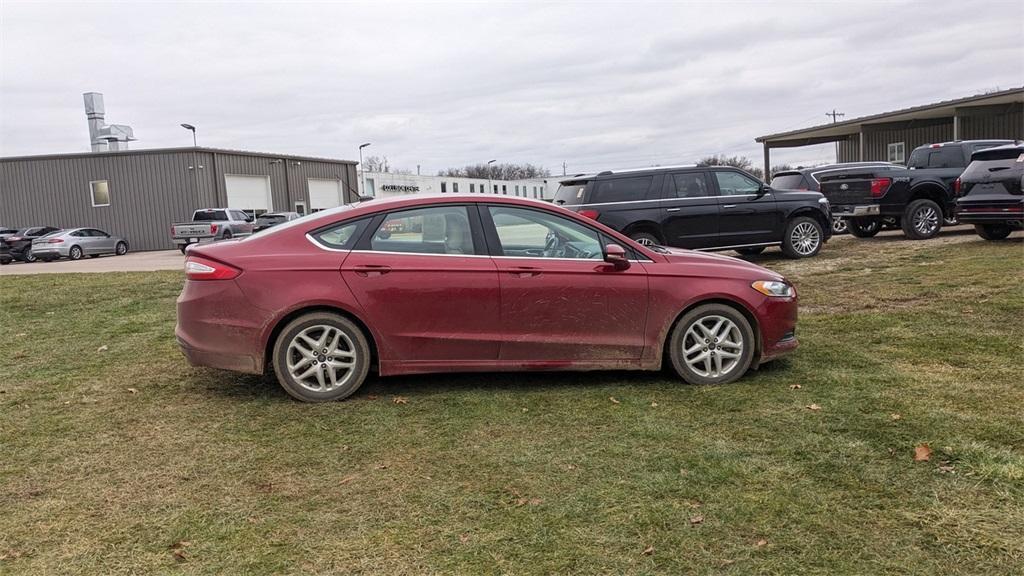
(920, 197)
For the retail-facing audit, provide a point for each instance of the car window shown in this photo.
(736, 184)
(340, 236)
(570, 193)
(209, 216)
(435, 230)
(690, 185)
(78, 233)
(528, 233)
(789, 182)
(621, 189)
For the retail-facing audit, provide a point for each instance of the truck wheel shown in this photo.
(183, 248)
(227, 235)
(865, 227)
(803, 238)
(993, 231)
(922, 219)
(840, 226)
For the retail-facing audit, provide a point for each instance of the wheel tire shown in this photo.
(922, 219)
(951, 221)
(29, 257)
(644, 238)
(227, 235)
(993, 231)
(75, 253)
(682, 335)
(183, 248)
(121, 249)
(803, 238)
(865, 227)
(752, 251)
(840, 226)
(356, 343)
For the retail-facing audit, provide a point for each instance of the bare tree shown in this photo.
(380, 164)
(497, 171)
(741, 162)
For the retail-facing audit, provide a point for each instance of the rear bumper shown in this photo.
(856, 211)
(991, 213)
(218, 327)
(46, 251)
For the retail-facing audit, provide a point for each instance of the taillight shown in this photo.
(13, 238)
(199, 268)
(879, 186)
(956, 187)
(592, 214)
(213, 228)
(55, 241)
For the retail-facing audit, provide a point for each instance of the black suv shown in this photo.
(20, 242)
(809, 179)
(991, 192)
(712, 208)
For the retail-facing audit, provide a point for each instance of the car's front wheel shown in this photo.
(865, 227)
(803, 238)
(993, 231)
(711, 344)
(321, 357)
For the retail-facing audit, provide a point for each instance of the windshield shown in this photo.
(266, 217)
(789, 182)
(570, 193)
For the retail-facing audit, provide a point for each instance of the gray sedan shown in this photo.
(74, 243)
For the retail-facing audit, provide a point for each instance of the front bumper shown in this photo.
(777, 318)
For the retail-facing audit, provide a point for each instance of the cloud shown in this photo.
(594, 85)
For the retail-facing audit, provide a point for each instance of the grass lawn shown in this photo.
(127, 460)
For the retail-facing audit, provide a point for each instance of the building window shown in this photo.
(444, 187)
(504, 189)
(517, 190)
(897, 152)
(100, 190)
(455, 187)
(472, 188)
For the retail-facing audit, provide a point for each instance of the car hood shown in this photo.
(693, 263)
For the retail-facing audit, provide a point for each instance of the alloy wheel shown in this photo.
(712, 346)
(644, 242)
(321, 358)
(839, 226)
(805, 238)
(926, 220)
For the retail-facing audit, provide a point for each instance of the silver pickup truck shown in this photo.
(210, 224)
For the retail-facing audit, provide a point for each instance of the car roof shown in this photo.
(416, 200)
(647, 170)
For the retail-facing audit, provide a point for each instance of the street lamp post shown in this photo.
(195, 161)
(362, 185)
(489, 188)
(192, 129)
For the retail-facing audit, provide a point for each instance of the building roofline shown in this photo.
(883, 116)
(186, 149)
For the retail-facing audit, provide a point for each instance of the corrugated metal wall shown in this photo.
(976, 124)
(148, 191)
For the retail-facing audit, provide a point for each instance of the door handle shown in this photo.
(371, 269)
(524, 271)
(729, 206)
(672, 210)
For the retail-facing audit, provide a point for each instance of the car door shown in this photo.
(689, 210)
(560, 301)
(104, 242)
(746, 214)
(427, 287)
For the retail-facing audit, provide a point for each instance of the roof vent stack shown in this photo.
(102, 136)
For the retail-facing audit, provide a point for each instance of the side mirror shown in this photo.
(616, 256)
(765, 189)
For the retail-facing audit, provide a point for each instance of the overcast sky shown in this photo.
(596, 86)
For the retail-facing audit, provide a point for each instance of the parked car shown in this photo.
(919, 196)
(991, 192)
(490, 283)
(716, 208)
(807, 179)
(19, 243)
(74, 243)
(210, 224)
(269, 219)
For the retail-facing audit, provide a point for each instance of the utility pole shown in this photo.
(835, 118)
(563, 168)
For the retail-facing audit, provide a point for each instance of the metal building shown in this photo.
(137, 194)
(890, 136)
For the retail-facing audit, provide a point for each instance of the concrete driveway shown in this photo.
(130, 262)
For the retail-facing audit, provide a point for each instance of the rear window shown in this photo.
(209, 216)
(272, 217)
(999, 154)
(789, 182)
(941, 157)
(995, 165)
(621, 189)
(570, 193)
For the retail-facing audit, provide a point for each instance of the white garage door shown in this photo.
(324, 193)
(249, 193)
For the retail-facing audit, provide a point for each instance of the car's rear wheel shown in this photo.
(183, 248)
(751, 251)
(644, 238)
(803, 238)
(922, 219)
(864, 227)
(321, 357)
(121, 249)
(951, 221)
(227, 235)
(711, 344)
(75, 253)
(839, 226)
(993, 231)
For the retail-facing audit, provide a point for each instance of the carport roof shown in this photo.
(840, 130)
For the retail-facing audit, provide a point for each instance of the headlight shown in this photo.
(774, 288)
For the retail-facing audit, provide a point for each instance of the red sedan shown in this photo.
(471, 283)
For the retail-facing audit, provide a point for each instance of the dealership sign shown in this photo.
(399, 188)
